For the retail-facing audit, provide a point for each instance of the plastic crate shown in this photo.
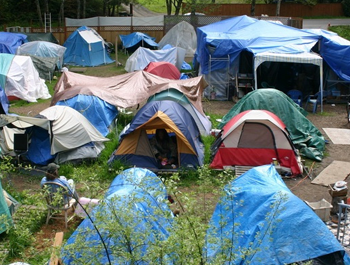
(322, 208)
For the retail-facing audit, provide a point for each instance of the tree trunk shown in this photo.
(278, 8)
(252, 8)
(78, 9)
(84, 9)
(168, 6)
(38, 9)
(47, 6)
(61, 15)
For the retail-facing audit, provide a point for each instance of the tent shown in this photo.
(41, 37)
(127, 90)
(43, 49)
(163, 69)
(58, 130)
(133, 41)
(4, 102)
(85, 47)
(202, 121)
(258, 220)
(143, 56)
(19, 78)
(97, 111)
(9, 42)
(181, 35)
(6, 219)
(136, 204)
(231, 45)
(304, 135)
(255, 138)
(134, 146)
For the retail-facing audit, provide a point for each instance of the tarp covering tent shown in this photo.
(41, 37)
(58, 129)
(335, 50)
(163, 69)
(135, 149)
(97, 111)
(6, 219)
(133, 41)
(126, 90)
(143, 56)
(135, 203)
(255, 138)
(9, 42)
(19, 78)
(202, 121)
(304, 135)
(85, 47)
(181, 35)
(4, 102)
(281, 228)
(43, 49)
(45, 66)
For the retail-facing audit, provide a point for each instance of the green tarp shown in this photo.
(304, 135)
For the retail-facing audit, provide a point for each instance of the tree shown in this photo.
(37, 3)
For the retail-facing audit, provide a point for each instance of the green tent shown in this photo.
(5, 215)
(304, 135)
(41, 37)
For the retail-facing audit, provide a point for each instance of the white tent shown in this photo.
(307, 58)
(182, 35)
(19, 78)
(143, 56)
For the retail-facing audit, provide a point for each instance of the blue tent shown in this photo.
(137, 39)
(134, 147)
(9, 42)
(260, 221)
(85, 47)
(99, 113)
(136, 204)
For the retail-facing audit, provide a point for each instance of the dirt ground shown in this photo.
(333, 117)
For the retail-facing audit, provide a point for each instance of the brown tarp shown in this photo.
(126, 90)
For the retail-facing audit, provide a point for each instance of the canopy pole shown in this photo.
(321, 84)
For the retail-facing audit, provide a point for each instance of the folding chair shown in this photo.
(296, 96)
(58, 201)
(315, 100)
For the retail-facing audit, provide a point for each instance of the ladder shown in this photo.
(47, 19)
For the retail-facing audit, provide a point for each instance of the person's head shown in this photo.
(162, 134)
(52, 171)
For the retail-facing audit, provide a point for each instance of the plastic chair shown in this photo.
(315, 100)
(296, 96)
(58, 200)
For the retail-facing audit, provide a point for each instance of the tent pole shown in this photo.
(321, 84)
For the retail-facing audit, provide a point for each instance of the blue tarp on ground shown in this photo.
(85, 47)
(99, 113)
(135, 202)
(9, 42)
(259, 213)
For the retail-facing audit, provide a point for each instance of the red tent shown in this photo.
(163, 69)
(255, 138)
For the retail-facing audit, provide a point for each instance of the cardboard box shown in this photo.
(336, 193)
(322, 208)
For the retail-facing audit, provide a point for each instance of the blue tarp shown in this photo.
(99, 113)
(234, 35)
(9, 42)
(5, 104)
(85, 47)
(136, 203)
(259, 213)
(137, 39)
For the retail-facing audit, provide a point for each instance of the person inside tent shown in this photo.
(52, 175)
(164, 149)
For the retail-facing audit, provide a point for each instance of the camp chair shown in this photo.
(314, 100)
(296, 96)
(58, 200)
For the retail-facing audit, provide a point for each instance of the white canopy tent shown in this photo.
(309, 58)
